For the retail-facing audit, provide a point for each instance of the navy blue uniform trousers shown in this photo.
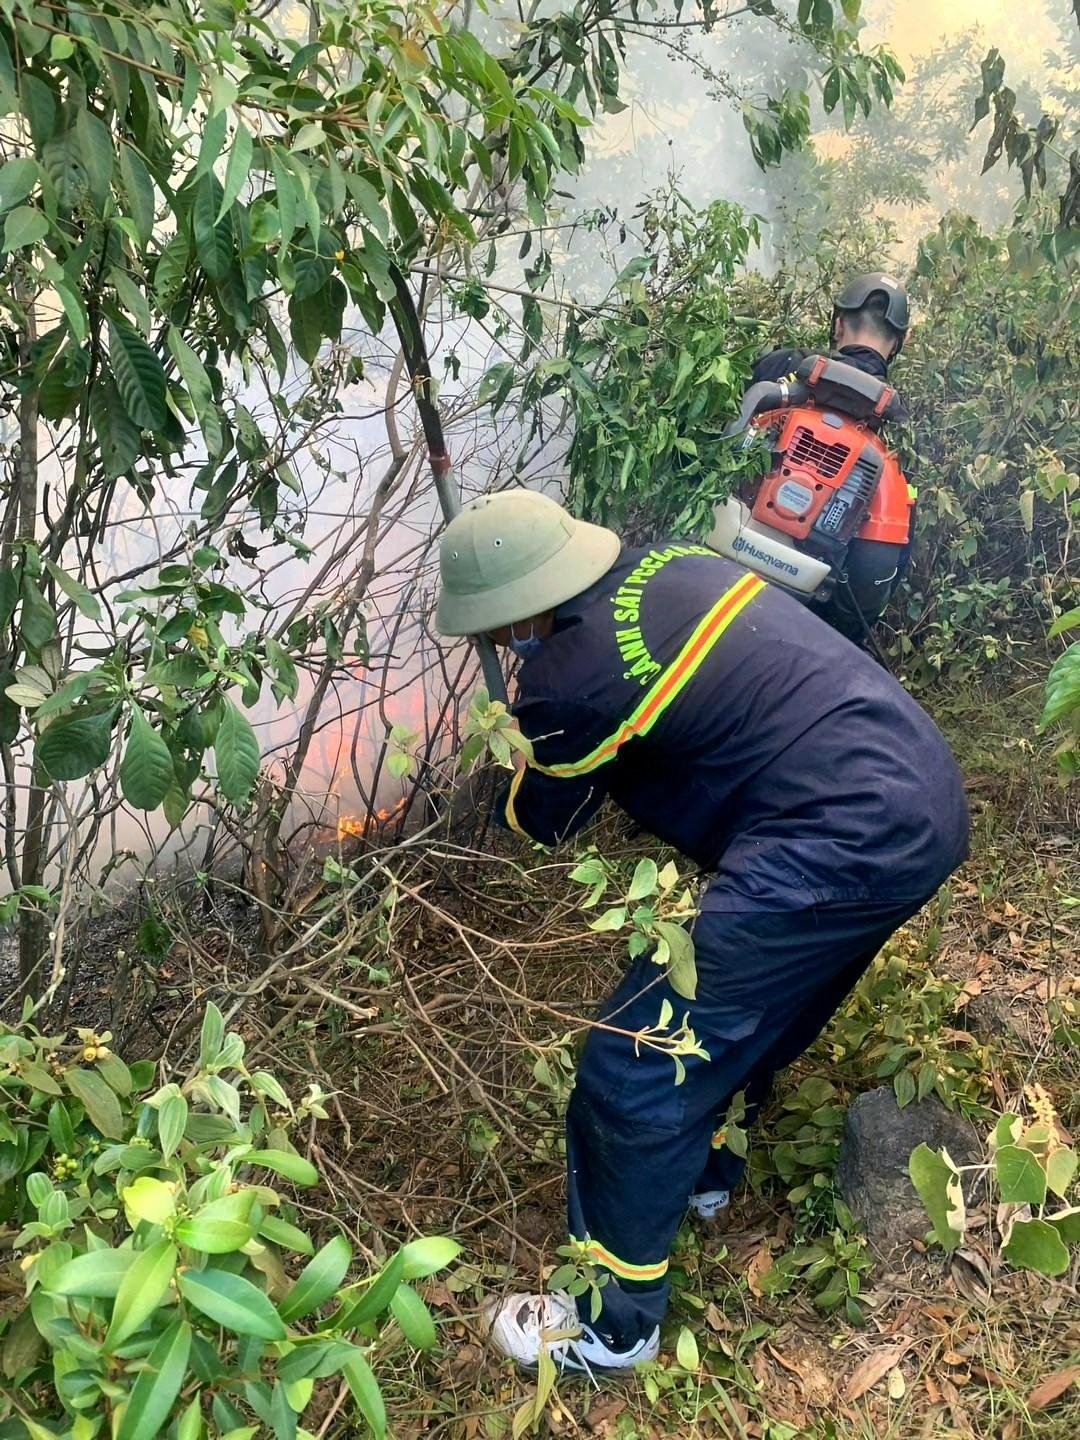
(638, 1145)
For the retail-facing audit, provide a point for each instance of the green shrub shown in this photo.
(156, 1252)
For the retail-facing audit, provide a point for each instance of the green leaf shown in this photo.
(213, 238)
(937, 1180)
(99, 1101)
(1067, 1224)
(85, 603)
(171, 1123)
(1062, 687)
(426, 1256)
(18, 179)
(141, 1291)
(644, 881)
(139, 192)
(233, 1302)
(211, 1036)
(150, 1200)
(97, 155)
(414, 1318)
(147, 768)
(1061, 1170)
(139, 377)
(681, 968)
(96, 1276)
(154, 1392)
(366, 1393)
(364, 1302)
(1021, 1179)
(24, 226)
(612, 919)
(171, 270)
(318, 1280)
(1036, 1245)
(284, 1162)
(238, 168)
(119, 440)
(237, 752)
(199, 388)
(288, 1237)
(686, 1350)
(221, 1227)
(1069, 621)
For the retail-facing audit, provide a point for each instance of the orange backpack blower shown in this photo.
(831, 478)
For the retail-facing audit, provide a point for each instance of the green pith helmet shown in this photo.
(509, 556)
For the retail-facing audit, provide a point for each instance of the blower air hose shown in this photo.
(766, 395)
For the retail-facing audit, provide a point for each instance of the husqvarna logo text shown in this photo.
(743, 547)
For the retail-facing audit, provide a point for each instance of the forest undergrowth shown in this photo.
(436, 992)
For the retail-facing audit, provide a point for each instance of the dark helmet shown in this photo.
(858, 292)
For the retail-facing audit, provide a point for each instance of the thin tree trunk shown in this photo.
(31, 926)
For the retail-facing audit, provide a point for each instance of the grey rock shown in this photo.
(872, 1173)
(987, 1017)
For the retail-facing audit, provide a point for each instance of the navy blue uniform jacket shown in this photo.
(739, 728)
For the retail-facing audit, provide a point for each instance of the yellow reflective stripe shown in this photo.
(511, 812)
(672, 682)
(912, 493)
(625, 1271)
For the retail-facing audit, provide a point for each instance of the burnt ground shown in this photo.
(444, 1022)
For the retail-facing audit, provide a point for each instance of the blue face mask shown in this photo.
(527, 648)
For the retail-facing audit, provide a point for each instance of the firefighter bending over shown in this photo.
(820, 800)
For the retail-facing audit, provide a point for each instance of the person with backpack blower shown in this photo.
(834, 493)
(818, 799)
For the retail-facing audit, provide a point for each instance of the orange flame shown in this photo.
(361, 825)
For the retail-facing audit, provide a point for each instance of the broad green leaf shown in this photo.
(238, 168)
(366, 1301)
(154, 1392)
(414, 1318)
(147, 769)
(139, 377)
(171, 1123)
(171, 270)
(288, 1237)
(141, 1291)
(681, 968)
(199, 388)
(97, 1275)
(1069, 621)
(75, 590)
(190, 1424)
(318, 1280)
(1062, 686)
(1067, 1224)
(37, 623)
(214, 1235)
(238, 755)
(1036, 1245)
(428, 1255)
(644, 881)
(233, 1302)
(149, 1199)
(1021, 1179)
(118, 437)
(686, 1349)
(937, 1180)
(1061, 1170)
(284, 1162)
(99, 1101)
(211, 1036)
(612, 919)
(213, 238)
(24, 226)
(366, 1393)
(139, 192)
(18, 179)
(97, 155)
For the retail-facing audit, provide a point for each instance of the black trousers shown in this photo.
(638, 1145)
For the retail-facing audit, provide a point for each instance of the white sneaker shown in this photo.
(522, 1326)
(710, 1203)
